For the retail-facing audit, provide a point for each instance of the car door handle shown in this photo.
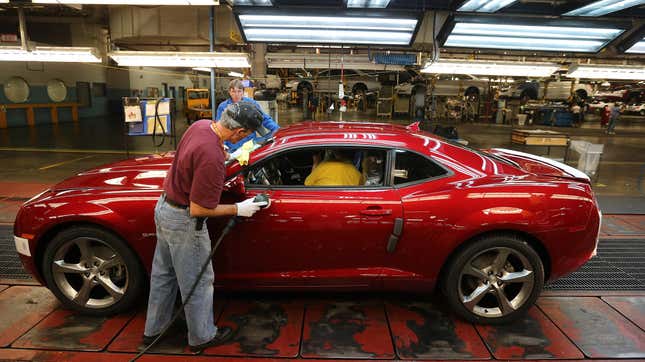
(376, 212)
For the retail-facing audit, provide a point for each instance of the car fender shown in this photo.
(89, 212)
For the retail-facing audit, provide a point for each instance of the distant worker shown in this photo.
(604, 116)
(236, 91)
(337, 170)
(575, 110)
(613, 118)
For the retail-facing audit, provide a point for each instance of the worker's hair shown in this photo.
(235, 84)
(228, 121)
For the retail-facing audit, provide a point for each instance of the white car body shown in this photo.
(327, 81)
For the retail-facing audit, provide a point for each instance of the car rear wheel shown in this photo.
(92, 271)
(494, 280)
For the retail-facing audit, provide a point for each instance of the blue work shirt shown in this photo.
(267, 123)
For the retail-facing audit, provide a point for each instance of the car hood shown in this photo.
(146, 172)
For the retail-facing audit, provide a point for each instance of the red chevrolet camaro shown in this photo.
(486, 227)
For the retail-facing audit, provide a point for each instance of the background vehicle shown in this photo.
(197, 104)
(326, 81)
(488, 228)
(636, 108)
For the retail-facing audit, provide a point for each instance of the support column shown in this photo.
(259, 62)
(211, 38)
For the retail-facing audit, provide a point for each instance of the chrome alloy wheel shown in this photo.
(496, 282)
(90, 273)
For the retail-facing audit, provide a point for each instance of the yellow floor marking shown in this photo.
(64, 162)
(71, 150)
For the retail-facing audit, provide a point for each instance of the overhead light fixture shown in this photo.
(580, 71)
(129, 2)
(638, 48)
(604, 7)
(235, 74)
(485, 6)
(509, 69)
(50, 54)
(381, 4)
(325, 61)
(181, 59)
(582, 38)
(271, 28)
(252, 3)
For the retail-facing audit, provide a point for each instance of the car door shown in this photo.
(423, 186)
(311, 237)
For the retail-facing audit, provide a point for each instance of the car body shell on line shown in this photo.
(396, 236)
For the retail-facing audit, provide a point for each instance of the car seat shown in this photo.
(372, 169)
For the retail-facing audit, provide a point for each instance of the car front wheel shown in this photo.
(494, 280)
(92, 271)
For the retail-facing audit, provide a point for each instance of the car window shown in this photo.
(411, 167)
(321, 167)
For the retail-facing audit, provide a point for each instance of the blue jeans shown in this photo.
(179, 256)
(612, 124)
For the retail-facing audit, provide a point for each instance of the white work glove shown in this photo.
(248, 207)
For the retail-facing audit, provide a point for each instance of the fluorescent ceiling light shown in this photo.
(485, 6)
(181, 59)
(327, 29)
(530, 37)
(368, 3)
(50, 54)
(325, 61)
(235, 74)
(130, 2)
(509, 69)
(199, 69)
(638, 48)
(606, 72)
(603, 7)
(252, 3)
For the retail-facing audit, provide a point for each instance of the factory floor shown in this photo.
(596, 324)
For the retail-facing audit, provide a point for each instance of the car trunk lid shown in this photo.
(541, 165)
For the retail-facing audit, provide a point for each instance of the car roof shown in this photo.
(355, 133)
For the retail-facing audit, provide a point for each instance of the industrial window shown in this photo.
(410, 167)
(99, 89)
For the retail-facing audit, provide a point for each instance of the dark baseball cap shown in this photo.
(247, 115)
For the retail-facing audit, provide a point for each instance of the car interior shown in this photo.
(291, 168)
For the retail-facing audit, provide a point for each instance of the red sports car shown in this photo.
(487, 227)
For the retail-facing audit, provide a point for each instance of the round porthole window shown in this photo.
(16, 90)
(56, 90)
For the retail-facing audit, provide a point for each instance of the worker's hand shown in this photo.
(248, 207)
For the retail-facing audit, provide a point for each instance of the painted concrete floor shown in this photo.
(560, 326)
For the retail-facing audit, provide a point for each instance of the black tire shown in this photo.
(123, 273)
(305, 86)
(462, 288)
(359, 88)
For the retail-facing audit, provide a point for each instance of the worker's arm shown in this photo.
(220, 110)
(244, 208)
(197, 210)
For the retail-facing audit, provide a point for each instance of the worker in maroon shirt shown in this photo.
(192, 190)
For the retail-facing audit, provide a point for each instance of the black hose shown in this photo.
(229, 226)
(158, 122)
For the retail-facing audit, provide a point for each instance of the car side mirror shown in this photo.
(235, 185)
